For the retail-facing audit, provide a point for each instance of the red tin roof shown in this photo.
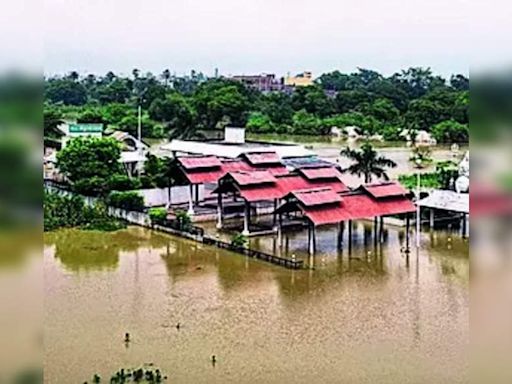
(244, 178)
(320, 173)
(326, 215)
(317, 196)
(262, 158)
(351, 206)
(388, 189)
(201, 162)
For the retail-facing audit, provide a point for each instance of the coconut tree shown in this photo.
(367, 162)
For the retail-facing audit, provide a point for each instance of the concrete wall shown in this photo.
(160, 196)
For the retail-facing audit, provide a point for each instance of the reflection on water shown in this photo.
(21, 304)
(377, 316)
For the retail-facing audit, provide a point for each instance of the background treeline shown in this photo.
(186, 107)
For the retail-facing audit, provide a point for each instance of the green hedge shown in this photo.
(131, 201)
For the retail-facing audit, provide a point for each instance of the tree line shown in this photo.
(191, 106)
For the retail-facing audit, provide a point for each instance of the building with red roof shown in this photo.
(323, 206)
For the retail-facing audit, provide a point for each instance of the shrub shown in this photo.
(157, 215)
(93, 186)
(239, 241)
(123, 183)
(130, 201)
(450, 131)
(184, 220)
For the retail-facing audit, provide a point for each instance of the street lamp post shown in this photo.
(418, 209)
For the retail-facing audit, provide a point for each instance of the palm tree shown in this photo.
(166, 75)
(367, 162)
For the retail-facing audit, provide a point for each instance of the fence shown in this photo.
(177, 228)
(288, 263)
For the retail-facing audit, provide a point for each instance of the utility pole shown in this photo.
(418, 209)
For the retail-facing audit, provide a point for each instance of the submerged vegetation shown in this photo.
(135, 375)
(72, 212)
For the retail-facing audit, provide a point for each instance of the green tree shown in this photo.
(259, 123)
(86, 160)
(218, 101)
(66, 91)
(450, 131)
(305, 123)
(178, 114)
(52, 119)
(313, 100)
(367, 162)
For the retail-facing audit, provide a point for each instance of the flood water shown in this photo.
(376, 317)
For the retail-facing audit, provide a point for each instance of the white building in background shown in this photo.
(233, 146)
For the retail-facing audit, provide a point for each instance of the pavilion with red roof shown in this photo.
(199, 170)
(259, 186)
(323, 206)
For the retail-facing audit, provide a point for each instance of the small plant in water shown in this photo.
(137, 375)
(239, 240)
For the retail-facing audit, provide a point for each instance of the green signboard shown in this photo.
(85, 128)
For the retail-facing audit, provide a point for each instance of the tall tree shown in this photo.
(367, 162)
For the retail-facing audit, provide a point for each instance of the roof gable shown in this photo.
(383, 190)
(202, 162)
(317, 196)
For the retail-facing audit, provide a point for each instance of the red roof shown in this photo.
(261, 192)
(212, 176)
(279, 170)
(353, 206)
(388, 189)
(320, 173)
(277, 187)
(200, 162)
(317, 196)
(326, 215)
(244, 178)
(262, 158)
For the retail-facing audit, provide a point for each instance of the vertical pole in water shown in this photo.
(340, 235)
(350, 236)
(280, 231)
(407, 226)
(190, 200)
(311, 239)
(375, 230)
(381, 231)
(219, 210)
(274, 217)
(431, 218)
(246, 219)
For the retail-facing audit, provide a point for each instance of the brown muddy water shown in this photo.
(377, 317)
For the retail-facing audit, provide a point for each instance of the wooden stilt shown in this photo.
(381, 230)
(375, 230)
(407, 230)
(246, 219)
(340, 235)
(219, 210)
(274, 218)
(350, 236)
(311, 239)
(464, 226)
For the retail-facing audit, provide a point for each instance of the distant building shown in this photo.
(303, 79)
(263, 82)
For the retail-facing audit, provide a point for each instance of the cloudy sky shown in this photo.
(252, 36)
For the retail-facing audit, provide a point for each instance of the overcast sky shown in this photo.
(253, 36)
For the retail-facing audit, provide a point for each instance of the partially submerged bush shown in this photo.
(184, 220)
(157, 215)
(239, 241)
(130, 201)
